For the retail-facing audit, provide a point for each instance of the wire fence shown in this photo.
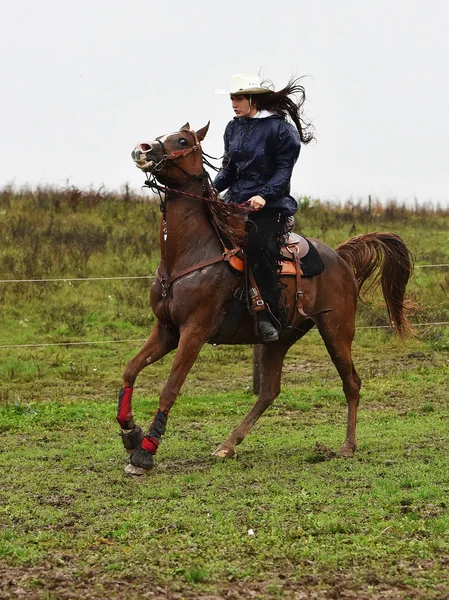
(123, 277)
(142, 340)
(431, 266)
(135, 341)
(45, 345)
(70, 279)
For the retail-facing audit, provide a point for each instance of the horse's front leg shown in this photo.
(270, 359)
(161, 341)
(189, 346)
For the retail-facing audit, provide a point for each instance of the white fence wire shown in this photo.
(67, 279)
(141, 341)
(135, 341)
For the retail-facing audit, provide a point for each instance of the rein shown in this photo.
(164, 278)
(153, 185)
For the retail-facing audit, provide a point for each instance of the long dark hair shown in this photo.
(281, 103)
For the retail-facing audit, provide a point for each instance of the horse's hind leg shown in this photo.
(338, 337)
(299, 332)
(270, 359)
(160, 342)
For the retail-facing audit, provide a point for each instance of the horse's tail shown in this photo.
(386, 255)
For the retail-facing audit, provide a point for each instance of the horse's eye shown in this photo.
(183, 142)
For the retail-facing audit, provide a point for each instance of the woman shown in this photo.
(261, 149)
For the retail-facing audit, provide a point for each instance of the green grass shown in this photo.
(287, 518)
(381, 516)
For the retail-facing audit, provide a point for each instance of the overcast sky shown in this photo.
(83, 81)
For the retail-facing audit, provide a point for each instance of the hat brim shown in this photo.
(255, 90)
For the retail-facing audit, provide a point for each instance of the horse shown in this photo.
(194, 289)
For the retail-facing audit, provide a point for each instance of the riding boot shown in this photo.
(267, 331)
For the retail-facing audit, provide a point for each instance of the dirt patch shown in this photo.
(304, 366)
(46, 581)
(324, 450)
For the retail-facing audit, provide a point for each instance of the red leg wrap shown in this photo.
(124, 411)
(150, 444)
(157, 429)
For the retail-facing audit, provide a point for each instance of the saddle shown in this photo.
(293, 250)
(295, 247)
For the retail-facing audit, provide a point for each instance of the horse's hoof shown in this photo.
(142, 459)
(224, 452)
(137, 471)
(346, 451)
(132, 439)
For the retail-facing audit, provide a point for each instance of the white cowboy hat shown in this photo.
(245, 83)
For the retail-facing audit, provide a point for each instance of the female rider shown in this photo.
(261, 149)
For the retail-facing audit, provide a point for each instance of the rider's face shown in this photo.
(242, 107)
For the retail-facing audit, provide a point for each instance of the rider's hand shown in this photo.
(257, 202)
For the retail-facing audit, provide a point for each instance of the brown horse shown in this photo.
(193, 293)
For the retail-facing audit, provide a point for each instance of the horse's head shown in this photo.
(172, 157)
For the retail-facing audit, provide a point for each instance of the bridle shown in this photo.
(208, 194)
(164, 190)
(180, 153)
(175, 155)
(208, 186)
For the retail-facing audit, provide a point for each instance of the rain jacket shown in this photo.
(260, 154)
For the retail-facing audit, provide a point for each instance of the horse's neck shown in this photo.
(191, 238)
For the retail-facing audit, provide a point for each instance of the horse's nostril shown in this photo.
(145, 147)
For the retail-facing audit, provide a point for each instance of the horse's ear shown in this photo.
(201, 133)
(185, 127)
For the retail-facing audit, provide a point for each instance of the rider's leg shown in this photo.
(263, 253)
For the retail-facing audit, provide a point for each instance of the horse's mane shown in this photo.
(229, 219)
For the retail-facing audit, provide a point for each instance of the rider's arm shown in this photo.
(288, 145)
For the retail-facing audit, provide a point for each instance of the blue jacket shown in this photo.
(259, 158)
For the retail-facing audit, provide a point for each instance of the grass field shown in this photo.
(287, 519)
